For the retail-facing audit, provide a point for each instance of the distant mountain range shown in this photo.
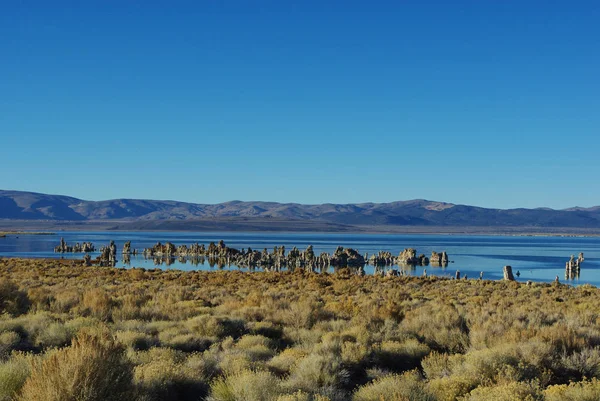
(148, 214)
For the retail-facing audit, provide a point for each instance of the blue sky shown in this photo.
(490, 103)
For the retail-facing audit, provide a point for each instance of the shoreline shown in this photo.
(28, 227)
(345, 270)
(445, 233)
(441, 233)
(341, 272)
(7, 233)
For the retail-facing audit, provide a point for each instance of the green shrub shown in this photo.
(211, 326)
(55, 335)
(450, 388)
(79, 323)
(64, 301)
(244, 386)
(316, 372)
(442, 327)
(12, 300)
(302, 314)
(135, 340)
(256, 347)
(501, 363)
(297, 396)
(398, 357)
(512, 391)
(584, 363)
(580, 391)
(285, 360)
(436, 365)
(13, 374)
(232, 362)
(180, 339)
(166, 379)
(354, 353)
(266, 329)
(9, 340)
(302, 396)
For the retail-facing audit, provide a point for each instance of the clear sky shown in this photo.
(489, 103)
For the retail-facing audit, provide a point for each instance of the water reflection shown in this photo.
(537, 258)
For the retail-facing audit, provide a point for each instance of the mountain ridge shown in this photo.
(22, 205)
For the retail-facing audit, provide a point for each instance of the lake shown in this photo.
(536, 258)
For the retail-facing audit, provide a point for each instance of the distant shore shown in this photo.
(7, 233)
(45, 227)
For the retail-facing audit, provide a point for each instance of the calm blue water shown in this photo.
(536, 258)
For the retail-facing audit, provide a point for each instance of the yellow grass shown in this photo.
(173, 335)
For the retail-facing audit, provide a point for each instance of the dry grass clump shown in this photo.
(97, 303)
(90, 333)
(92, 368)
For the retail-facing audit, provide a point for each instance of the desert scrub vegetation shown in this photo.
(69, 332)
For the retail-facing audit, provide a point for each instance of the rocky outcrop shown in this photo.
(84, 247)
(219, 254)
(573, 266)
(408, 257)
(108, 255)
(62, 247)
(439, 259)
(508, 275)
(168, 249)
(343, 257)
(381, 259)
(87, 260)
